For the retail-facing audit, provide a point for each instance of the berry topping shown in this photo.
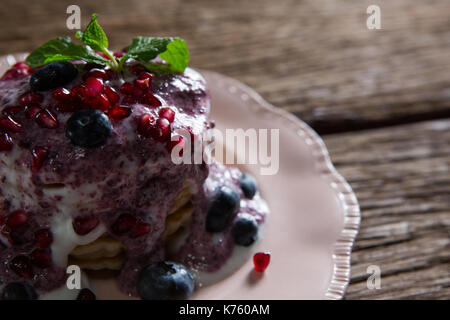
(43, 238)
(119, 112)
(17, 219)
(244, 230)
(18, 70)
(167, 113)
(140, 229)
(261, 260)
(84, 225)
(99, 102)
(86, 294)
(224, 203)
(6, 142)
(248, 185)
(46, 119)
(53, 75)
(39, 155)
(18, 291)
(165, 280)
(93, 86)
(41, 258)
(88, 128)
(21, 265)
(123, 224)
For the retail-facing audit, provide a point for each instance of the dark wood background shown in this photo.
(379, 98)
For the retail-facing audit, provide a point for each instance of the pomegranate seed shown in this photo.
(86, 294)
(140, 229)
(96, 73)
(161, 130)
(17, 219)
(38, 157)
(93, 86)
(112, 94)
(130, 89)
(61, 94)
(21, 65)
(77, 92)
(43, 238)
(179, 141)
(123, 224)
(167, 113)
(99, 102)
(137, 69)
(41, 258)
(46, 119)
(84, 225)
(119, 112)
(129, 100)
(261, 260)
(14, 73)
(118, 54)
(22, 266)
(146, 75)
(145, 124)
(144, 84)
(32, 111)
(6, 143)
(30, 98)
(12, 110)
(151, 100)
(9, 124)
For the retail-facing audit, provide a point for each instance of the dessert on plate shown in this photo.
(87, 139)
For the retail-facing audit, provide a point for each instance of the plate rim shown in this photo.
(342, 248)
(343, 245)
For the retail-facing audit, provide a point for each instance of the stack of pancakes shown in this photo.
(107, 253)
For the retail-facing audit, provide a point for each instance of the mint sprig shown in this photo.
(173, 51)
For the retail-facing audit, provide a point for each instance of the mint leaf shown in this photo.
(62, 49)
(176, 54)
(172, 50)
(147, 48)
(94, 36)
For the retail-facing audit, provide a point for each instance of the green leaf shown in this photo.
(62, 49)
(172, 50)
(176, 54)
(147, 48)
(94, 36)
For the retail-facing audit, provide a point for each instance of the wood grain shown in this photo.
(402, 182)
(317, 59)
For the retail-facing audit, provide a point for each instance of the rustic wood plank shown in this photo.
(401, 177)
(314, 58)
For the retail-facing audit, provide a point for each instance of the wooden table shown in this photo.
(379, 98)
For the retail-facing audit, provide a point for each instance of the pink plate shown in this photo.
(314, 213)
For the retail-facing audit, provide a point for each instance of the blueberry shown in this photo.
(165, 280)
(248, 185)
(244, 230)
(224, 203)
(53, 75)
(18, 291)
(88, 128)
